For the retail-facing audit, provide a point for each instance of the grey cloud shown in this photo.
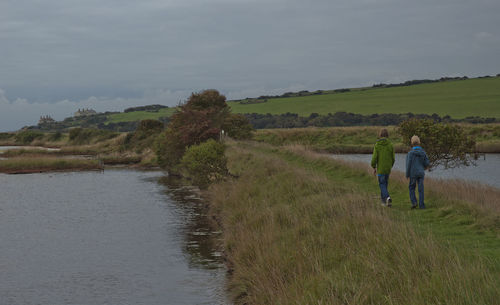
(56, 49)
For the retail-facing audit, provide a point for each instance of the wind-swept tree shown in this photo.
(445, 144)
(198, 120)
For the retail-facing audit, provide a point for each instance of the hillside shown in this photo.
(478, 97)
(458, 98)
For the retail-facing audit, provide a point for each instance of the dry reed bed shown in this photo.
(21, 165)
(294, 237)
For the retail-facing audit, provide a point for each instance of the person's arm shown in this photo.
(393, 156)
(426, 161)
(408, 165)
(374, 160)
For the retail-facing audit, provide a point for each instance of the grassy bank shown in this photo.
(459, 99)
(303, 229)
(362, 139)
(21, 165)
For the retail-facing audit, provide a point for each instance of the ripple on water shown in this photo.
(117, 237)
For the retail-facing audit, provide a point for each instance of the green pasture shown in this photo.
(140, 115)
(459, 99)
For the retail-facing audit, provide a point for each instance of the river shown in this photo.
(118, 237)
(487, 170)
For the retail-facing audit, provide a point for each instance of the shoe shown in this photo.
(413, 206)
(388, 202)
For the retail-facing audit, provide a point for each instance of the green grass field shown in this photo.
(459, 99)
(140, 115)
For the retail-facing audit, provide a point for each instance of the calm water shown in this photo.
(486, 172)
(118, 237)
(4, 148)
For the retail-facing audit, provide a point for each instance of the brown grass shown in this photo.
(20, 165)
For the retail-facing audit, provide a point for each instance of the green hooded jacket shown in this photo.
(383, 156)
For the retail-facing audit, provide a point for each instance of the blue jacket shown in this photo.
(416, 162)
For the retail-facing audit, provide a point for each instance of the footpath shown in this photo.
(454, 222)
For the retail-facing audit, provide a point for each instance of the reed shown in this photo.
(45, 164)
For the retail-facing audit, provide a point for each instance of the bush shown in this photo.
(150, 126)
(169, 150)
(28, 136)
(144, 136)
(445, 144)
(205, 163)
(237, 126)
(55, 136)
(81, 136)
(6, 136)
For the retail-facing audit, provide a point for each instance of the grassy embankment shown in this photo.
(362, 139)
(300, 228)
(459, 99)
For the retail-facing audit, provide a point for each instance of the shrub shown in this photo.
(445, 144)
(237, 126)
(55, 136)
(28, 136)
(144, 136)
(80, 136)
(169, 150)
(205, 163)
(150, 126)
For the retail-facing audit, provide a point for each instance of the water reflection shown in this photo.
(202, 239)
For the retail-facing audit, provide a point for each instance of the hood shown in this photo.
(418, 151)
(383, 141)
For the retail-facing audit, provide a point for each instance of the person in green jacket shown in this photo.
(382, 161)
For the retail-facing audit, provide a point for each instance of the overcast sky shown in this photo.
(60, 55)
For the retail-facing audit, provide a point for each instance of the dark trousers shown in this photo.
(414, 181)
(383, 182)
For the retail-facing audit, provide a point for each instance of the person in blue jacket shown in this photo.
(416, 163)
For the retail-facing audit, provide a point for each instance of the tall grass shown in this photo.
(331, 139)
(361, 139)
(292, 236)
(481, 202)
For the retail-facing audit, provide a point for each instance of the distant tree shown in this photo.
(445, 144)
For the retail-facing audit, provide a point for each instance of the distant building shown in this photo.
(46, 119)
(85, 112)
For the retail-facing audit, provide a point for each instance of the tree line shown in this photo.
(293, 120)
